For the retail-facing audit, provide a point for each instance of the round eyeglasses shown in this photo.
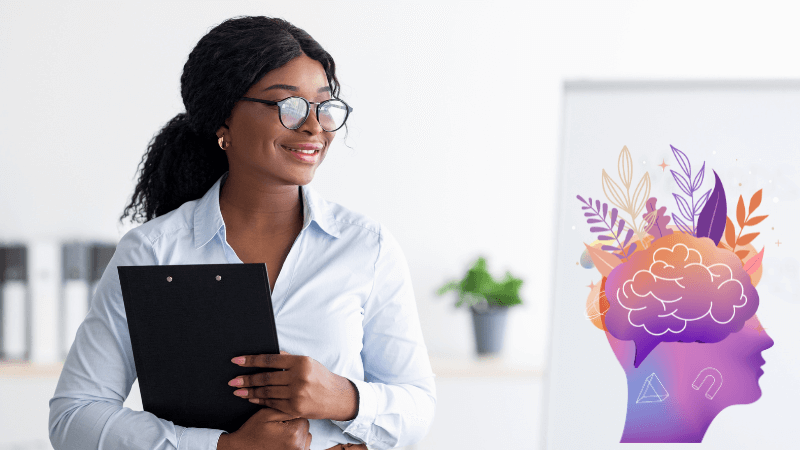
(293, 112)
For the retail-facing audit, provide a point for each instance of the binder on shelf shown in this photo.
(75, 291)
(99, 256)
(14, 303)
(44, 268)
(186, 323)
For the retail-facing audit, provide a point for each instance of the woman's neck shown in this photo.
(264, 209)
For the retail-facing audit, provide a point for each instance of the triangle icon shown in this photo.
(652, 390)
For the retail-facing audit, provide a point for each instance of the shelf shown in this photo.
(27, 369)
(480, 366)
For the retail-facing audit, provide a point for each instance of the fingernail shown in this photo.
(253, 400)
(235, 382)
(238, 360)
(240, 392)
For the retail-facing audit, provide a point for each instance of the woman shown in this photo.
(226, 182)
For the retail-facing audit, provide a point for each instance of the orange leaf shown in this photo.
(740, 212)
(604, 261)
(755, 220)
(746, 239)
(754, 263)
(730, 233)
(742, 253)
(755, 200)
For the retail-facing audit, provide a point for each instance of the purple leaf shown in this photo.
(702, 202)
(683, 160)
(682, 183)
(682, 226)
(683, 207)
(659, 228)
(589, 214)
(618, 255)
(605, 210)
(598, 230)
(603, 237)
(631, 249)
(698, 179)
(711, 223)
(597, 206)
(620, 227)
(627, 238)
(581, 199)
(585, 207)
(609, 248)
(593, 221)
(613, 217)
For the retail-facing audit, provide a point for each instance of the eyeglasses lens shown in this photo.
(293, 112)
(332, 115)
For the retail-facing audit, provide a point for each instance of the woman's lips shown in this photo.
(304, 157)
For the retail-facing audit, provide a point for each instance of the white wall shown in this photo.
(84, 86)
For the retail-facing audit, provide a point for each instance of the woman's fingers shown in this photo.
(280, 377)
(265, 392)
(282, 361)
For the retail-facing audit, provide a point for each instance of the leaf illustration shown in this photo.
(702, 202)
(627, 238)
(641, 194)
(604, 262)
(605, 210)
(596, 218)
(683, 161)
(698, 179)
(730, 233)
(740, 212)
(683, 207)
(682, 183)
(594, 221)
(755, 220)
(621, 226)
(598, 229)
(742, 253)
(746, 239)
(657, 226)
(681, 226)
(603, 237)
(625, 167)
(609, 248)
(755, 201)
(631, 249)
(613, 192)
(613, 217)
(752, 264)
(711, 222)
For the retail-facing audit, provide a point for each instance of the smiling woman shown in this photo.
(227, 182)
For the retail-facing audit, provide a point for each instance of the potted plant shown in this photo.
(489, 301)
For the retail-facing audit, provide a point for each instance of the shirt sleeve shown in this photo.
(397, 397)
(86, 410)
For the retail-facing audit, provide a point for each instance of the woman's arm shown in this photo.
(397, 399)
(86, 410)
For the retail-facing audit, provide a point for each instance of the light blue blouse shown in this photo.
(343, 297)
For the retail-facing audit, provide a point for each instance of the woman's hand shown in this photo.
(304, 388)
(268, 430)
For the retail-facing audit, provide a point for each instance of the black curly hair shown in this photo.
(184, 160)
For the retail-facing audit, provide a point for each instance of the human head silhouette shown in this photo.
(680, 318)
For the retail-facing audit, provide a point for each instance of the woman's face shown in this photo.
(260, 146)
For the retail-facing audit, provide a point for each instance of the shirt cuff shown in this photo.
(367, 411)
(199, 439)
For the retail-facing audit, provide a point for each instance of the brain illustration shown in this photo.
(682, 289)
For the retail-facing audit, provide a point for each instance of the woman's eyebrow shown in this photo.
(287, 87)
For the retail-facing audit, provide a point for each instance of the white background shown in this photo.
(85, 85)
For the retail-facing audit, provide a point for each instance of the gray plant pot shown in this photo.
(490, 328)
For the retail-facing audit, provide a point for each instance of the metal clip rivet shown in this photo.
(169, 279)
(219, 277)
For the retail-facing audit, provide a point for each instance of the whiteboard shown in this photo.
(749, 133)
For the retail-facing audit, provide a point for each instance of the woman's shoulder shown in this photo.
(176, 220)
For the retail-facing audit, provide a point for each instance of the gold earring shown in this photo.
(222, 143)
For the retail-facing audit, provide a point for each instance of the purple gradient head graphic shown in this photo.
(681, 289)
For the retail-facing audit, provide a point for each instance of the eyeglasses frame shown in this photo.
(308, 105)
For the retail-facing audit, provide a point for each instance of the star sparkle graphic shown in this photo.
(663, 165)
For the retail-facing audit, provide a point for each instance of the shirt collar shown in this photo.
(208, 218)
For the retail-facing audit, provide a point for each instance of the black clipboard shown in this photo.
(186, 322)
